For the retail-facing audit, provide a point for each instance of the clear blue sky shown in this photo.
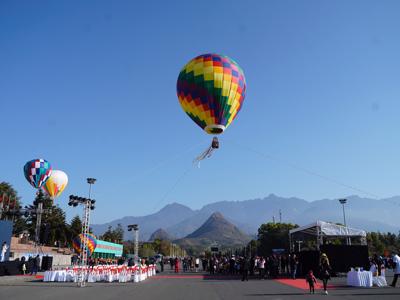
(90, 86)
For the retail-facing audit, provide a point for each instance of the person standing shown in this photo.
(325, 271)
(261, 267)
(176, 265)
(294, 262)
(396, 269)
(245, 269)
(4, 249)
(204, 263)
(311, 280)
(36, 264)
(162, 264)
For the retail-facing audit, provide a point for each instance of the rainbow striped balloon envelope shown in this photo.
(211, 89)
(91, 243)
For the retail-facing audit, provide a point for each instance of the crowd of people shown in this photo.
(274, 266)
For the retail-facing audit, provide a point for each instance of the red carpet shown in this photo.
(178, 276)
(28, 275)
(206, 277)
(302, 284)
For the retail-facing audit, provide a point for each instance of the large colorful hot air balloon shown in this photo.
(37, 171)
(91, 243)
(211, 89)
(56, 183)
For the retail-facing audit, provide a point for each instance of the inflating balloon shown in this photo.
(37, 171)
(91, 243)
(56, 183)
(211, 89)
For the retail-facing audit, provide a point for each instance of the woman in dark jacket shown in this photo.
(325, 269)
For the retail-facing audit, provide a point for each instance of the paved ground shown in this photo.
(191, 286)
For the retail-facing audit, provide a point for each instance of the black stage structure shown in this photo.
(345, 247)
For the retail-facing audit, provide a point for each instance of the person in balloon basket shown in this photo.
(311, 280)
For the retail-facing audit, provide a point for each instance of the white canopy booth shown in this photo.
(321, 231)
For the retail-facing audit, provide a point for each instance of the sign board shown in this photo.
(278, 251)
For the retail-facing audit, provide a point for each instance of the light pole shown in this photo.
(135, 228)
(343, 202)
(299, 245)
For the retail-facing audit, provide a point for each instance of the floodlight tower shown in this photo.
(135, 228)
(88, 205)
(343, 202)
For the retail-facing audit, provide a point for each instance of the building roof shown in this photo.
(329, 229)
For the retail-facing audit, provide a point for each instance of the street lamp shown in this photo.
(299, 245)
(343, 202)
(135, 228)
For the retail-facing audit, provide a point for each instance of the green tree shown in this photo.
(273, 236)
(53, 226)
(162, 246)
(379, 242)
(251, 248)
(11, 205)
(75, 227)
(119, 234)
(146, 250)
(113, 235)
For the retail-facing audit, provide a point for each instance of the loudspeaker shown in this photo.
(47, 263)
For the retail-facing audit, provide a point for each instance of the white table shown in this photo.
(359, 278)
(101, 274)
(59, 275)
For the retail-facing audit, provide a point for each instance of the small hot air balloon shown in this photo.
(91, 243)
(211, 90)
(56, 183)
(37, 171)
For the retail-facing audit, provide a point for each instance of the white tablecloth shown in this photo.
(359, 278)
(101, 274)
(58, 275)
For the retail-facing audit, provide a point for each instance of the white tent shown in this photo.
(321, 229)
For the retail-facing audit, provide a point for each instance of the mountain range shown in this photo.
(179, 221)
(216, 231)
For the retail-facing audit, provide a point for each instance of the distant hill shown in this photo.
(179, 220)
(160, 234)
(215, 231)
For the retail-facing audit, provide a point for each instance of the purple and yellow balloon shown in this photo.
(91, 243)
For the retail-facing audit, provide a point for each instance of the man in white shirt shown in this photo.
(396, 269)
(4, 249)
(261, 267)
